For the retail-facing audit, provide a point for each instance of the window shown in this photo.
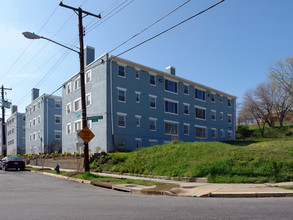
(200, 113)
(39, 119)
(213, 114)
(121, 120)
(77, 84)
(30, 123)
(121, 71)
(88, 99)
(152, 100)
(137, 117)
(214, 132)
(34, 136)
(229, 102)
(77, 126)
(221, 115)
(229, 118)
(58, 119)
(171, 86)
(68, 88)
(229, 135)
(138, 143)
(121, 143)
(39, 135)
(221, 99)
(88, 76)
(222, 133)
(30, 137)
(121, 95)
(34, 107)
(57, 134)
(152, 80)
(39, 104)
(137, 97)
(137, 74)
(200, 94)
(186, 109)
(200, 132)
(34, 122)
(77, 104)
(171, 106)
(68, 128)
(171, 128)
(57, 104)
(186, 129)
(186, 89)
(153, 142)
(213, 97)
(153, 122)
(68, 108)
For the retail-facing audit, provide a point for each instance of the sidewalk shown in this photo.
(196, 189)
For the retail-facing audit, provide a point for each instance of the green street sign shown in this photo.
(78, 114)
(95, 118)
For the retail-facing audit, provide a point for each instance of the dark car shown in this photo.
(12, 162)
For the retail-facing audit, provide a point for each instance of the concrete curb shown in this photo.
(247, 195)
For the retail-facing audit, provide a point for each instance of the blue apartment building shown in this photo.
(142, 106)
(15, 132)
(43, 124)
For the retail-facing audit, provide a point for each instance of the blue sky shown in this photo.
(229, 48)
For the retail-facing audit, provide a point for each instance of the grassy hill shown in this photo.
(250, 160)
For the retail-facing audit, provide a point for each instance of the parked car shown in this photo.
(12, 162)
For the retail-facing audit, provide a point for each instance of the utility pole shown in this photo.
(80, 13)
(4, 104)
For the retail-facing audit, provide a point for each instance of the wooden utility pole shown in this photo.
(80, 13)
(3, 105)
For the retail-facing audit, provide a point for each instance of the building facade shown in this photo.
(16, 132)
(142, 106)
(43, 123)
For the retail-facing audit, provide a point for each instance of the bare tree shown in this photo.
(282, 74)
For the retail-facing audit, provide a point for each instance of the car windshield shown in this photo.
(13, 158)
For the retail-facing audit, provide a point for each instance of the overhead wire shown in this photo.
(157, 21)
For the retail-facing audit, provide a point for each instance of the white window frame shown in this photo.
(124, 71)
(221, 116)
(173, 81)
(213, 113)
(68, 88)
(202, 108)
(120, 114)
(88, 76)
(230, 135)
(74, 106)
(137, 119)
(75, 123)
(137, 73)
(203, 127)
(228, 116)
(138, 140)
(155, 98)
(34, 121)
(137, 95)
(154, 79)
(171, 122)
(222, 133)
(90, 99)
(122, 90)
(68, 129)
(153, 120)
(186, 104)
(154, 141)
(188, 126)
(68, 107)
(77, 83)
(55, 131)
(213, 94)
(171, 101)
(39, 119)
(205, 94)
(58, 116)
(216, 133)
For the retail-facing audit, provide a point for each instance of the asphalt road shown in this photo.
(25, 195)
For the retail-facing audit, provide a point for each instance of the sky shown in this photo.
(229, 48)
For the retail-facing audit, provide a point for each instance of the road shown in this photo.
(25, 195)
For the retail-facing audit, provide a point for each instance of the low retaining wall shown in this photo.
(72, 163)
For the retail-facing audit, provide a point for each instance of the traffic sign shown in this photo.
(95, 118)
(86, 135)
(77, 114)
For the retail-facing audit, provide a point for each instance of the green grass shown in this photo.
(250, 160)
(286, 187)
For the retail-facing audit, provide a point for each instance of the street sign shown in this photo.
(77, 114)
(95, 118)
(6, 104)
(86, 135)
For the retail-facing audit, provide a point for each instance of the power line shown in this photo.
(157, 35)
(150, 26)
(92, 27)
